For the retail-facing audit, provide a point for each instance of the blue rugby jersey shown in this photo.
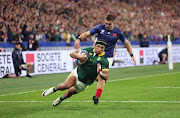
(111, 37)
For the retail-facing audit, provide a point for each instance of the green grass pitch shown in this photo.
(133, 92)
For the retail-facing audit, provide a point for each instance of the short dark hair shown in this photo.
(110, 17)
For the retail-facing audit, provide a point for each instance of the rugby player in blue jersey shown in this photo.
(111, 34)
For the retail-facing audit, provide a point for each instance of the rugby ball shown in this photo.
(24, 67)
(78, 62)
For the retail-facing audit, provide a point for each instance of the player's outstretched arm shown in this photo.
(129, 48)
(81, 37)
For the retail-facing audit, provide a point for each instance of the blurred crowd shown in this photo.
(65, 20)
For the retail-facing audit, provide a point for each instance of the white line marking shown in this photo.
(166, 87)
(92, 101)
(21, 92)
(96, 83)
(142, 76)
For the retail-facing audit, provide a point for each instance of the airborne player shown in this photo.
(85, 74)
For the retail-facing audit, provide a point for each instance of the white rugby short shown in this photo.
(80, 86)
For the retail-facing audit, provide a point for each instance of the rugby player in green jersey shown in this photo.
(85, 74)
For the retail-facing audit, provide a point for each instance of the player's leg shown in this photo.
(100, 87)
(68, 94)
(17, 72)
(13, 76)
(160, 58)
(29, 65)
(10, 76)
(70, 81)
(101, 84)
(163, 60)
(77, 88)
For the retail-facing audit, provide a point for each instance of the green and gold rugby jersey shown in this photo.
(87, 72)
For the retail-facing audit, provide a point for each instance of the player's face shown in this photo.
(99, 49)
(109, 25)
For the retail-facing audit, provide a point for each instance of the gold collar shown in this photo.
(103, 53)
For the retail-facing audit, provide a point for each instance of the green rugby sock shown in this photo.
(54, 89)
(61, 98)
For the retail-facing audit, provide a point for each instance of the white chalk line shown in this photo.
(21, 92)
(142, 76)
(87, 101)
(108, 82)
(166, 87)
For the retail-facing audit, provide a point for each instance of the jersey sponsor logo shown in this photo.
(114, 34)
(102, 31)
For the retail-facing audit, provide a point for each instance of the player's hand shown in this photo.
(82, 57)
(98, 68)
(133, 59)
(77, 44)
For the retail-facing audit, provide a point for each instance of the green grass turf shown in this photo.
(139, 85)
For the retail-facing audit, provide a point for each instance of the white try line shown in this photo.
(21, 92)
(142, 76)
(95, 83)
(87, 101)
(166, 87)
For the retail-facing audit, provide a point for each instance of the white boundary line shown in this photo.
(95, 83)
(166, 87)
(143, 76)
(87, 101)
(21, 92)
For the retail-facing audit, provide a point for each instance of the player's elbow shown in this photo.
(72, 54)
(127, 43)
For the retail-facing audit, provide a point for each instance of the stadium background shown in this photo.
(56, 25)
(61, 22)
(142, 91)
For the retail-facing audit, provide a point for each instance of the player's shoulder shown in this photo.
(117, 30)
(104, 59)
(102, 55)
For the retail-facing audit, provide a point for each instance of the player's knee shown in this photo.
(67, 86)
(29, 64)
(70, 92)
